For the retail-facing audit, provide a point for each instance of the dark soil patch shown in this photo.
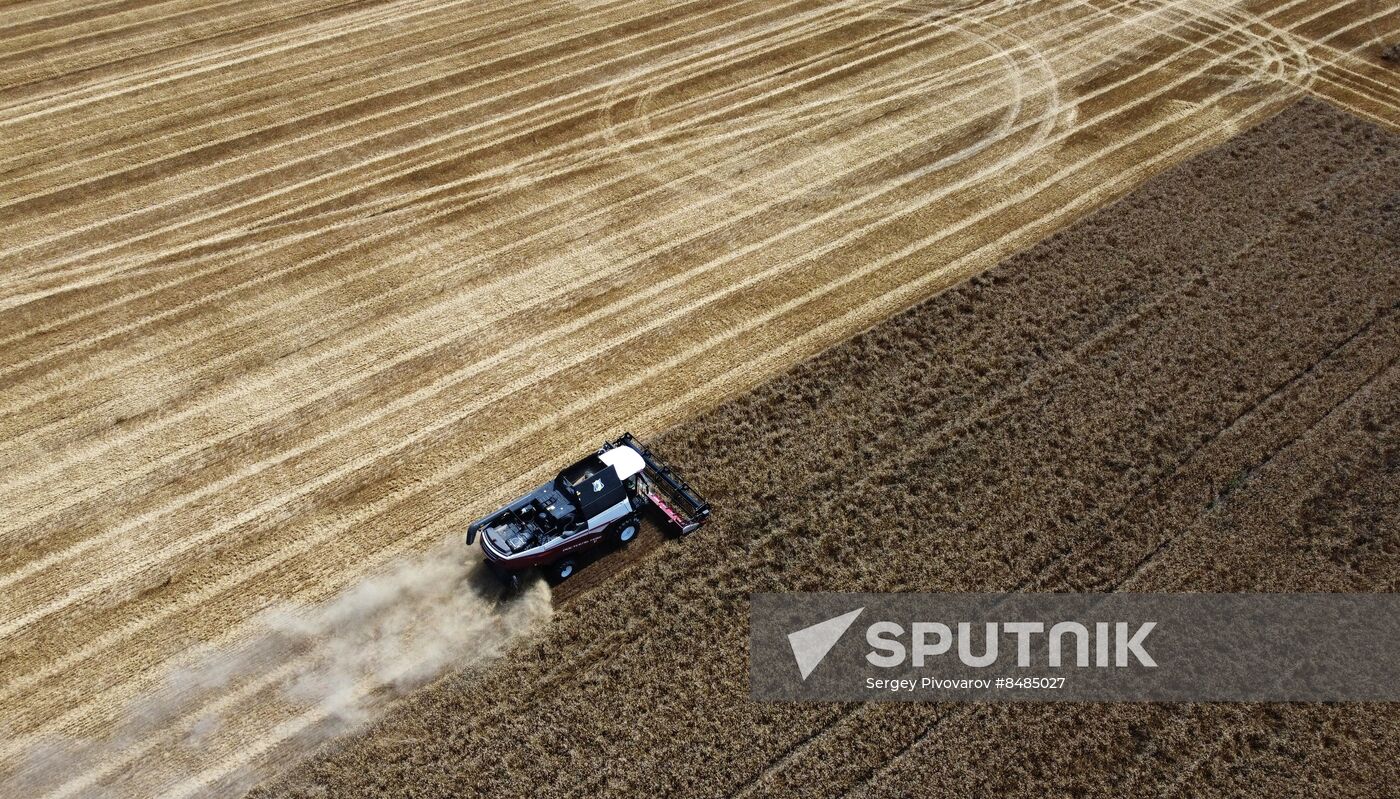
(1194, 389)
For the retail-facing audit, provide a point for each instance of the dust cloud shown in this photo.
(231, 716)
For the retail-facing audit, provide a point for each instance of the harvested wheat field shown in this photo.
(292, 291)
(1195, 389)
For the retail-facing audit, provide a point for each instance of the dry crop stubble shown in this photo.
(212, 397)
(950, 52)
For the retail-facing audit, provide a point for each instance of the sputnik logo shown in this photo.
(810, 645)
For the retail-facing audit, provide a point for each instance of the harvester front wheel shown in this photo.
(625, 530)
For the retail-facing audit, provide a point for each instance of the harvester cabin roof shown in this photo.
(624, 461)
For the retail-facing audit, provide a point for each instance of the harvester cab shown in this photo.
(594, 501)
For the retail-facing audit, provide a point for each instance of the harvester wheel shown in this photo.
(626, 530)
(563, 570)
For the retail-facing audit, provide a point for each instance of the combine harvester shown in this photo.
(592, 502)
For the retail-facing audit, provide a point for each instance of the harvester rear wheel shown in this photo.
(563, 570)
